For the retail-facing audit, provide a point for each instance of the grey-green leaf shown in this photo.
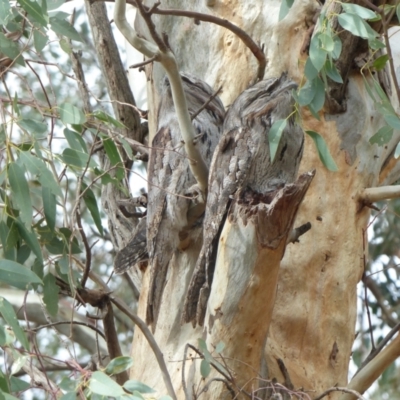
(140, 387)
(37, 167)
(5, 11)
(118, 365)
(319, 98)
(30, 239)
(64, 28)
(50, 294)
(90, 200)
(75, 158)
(309, 70)
(102, 384)
(362, 12)
(35, 11)
(20, 192)
(17, 275)
(75, 140)
(114, 156)
(332, 72)
(8, 313)
(307, 93)
(323, 150)
(49, 206)
(383, 136)
(317, 53)
(274, 137)
(70, 114)
(286, 5)
(205, 368)
(36, 128)
(10, 49)
(357, 26)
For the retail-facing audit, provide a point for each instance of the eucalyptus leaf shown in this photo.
(90, 200)
(205, 368)
(40, 40)
(331, 70)
(362, 12)
(5, 11)
(20, 192)
(64, 28)
(307, 93)
(357, 26)
(14, 274)
(274, 137)
(37, 167)
(50, 294)
(49, 207)
(8, 313)
(75, 158)
(319, 99)
(380, 62)
(70, 114)
(118, 365)
(309, 70)
(30, 239)
(140, 387)
(114, 156)
(35, 11)
(383, 136)
(10, 49)
(323, 150)
(286, 5)
(104, 117)
(75, 140)
(317, 53)
(102, 384)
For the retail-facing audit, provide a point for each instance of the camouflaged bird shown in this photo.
(241, 165)
(159, 234)
(170, 179)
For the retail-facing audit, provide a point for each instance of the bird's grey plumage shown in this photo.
(135, 251)
(241, 163)
(170, 178)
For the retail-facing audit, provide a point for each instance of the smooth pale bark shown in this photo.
(313, 321)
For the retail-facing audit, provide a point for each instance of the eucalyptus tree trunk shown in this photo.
(293, 318)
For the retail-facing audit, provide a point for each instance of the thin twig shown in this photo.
(379, 348)
(88, 261)
(151, 341)
(340, 389)
(143, 63)
(212, 97)
(369, 318)
(69, 323)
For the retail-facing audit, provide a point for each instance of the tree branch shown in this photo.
(371, 195)
(341, 389)
(371, 372)
(168, 61)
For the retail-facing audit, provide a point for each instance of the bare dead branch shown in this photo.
(297, 232)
